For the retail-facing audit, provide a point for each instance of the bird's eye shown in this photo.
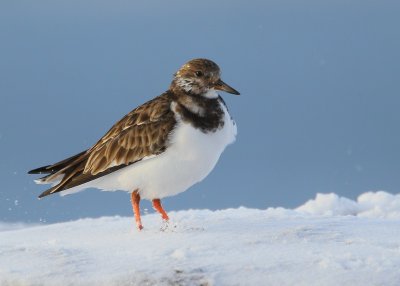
(199, 73)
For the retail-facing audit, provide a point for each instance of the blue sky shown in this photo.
(319, 110)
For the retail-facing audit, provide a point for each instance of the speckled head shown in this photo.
(200, 77)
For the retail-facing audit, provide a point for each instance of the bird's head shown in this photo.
(200, 77)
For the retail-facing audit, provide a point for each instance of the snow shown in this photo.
(371, 204)
(329, 240)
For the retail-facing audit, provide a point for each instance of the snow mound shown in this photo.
(327, 241)
(371, 204)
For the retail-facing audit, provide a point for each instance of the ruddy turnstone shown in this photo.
(160, 148)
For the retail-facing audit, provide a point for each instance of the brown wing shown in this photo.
(141, 133)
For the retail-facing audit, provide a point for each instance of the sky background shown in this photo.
(318, 111)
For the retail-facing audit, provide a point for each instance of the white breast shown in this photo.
(190, 157)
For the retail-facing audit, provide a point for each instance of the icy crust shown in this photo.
(327, 241)
(371, 205)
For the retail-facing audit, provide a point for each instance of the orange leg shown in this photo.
(135, 199)
(158, 207)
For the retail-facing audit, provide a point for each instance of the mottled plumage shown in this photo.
(136, 146)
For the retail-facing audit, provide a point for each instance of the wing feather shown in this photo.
(142, 133)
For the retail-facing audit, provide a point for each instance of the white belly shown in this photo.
(190, 157)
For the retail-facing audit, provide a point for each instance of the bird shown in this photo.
(159, 149)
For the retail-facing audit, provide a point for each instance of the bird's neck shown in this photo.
(203, 113)
(201, 105)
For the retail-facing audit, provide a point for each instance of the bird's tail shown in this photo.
(52, 169)
(56, 173)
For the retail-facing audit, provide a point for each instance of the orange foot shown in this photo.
(135, 199)
(158, 207)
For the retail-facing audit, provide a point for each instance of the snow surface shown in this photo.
(330, 240)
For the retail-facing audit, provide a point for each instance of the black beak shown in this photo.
(220, 85)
